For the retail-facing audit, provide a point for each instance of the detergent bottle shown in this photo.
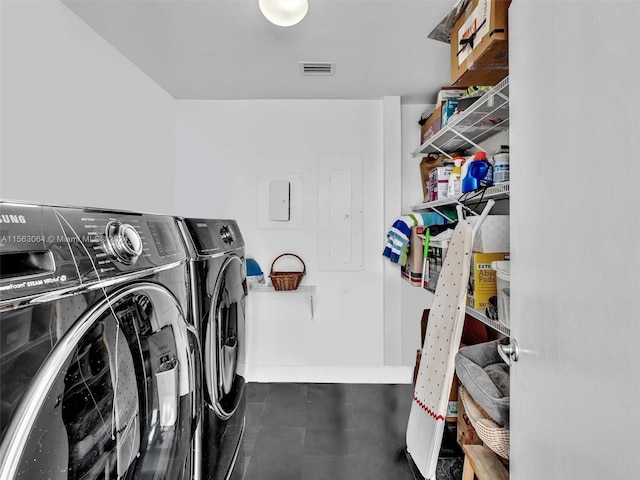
(501, 165)
(465, 170)
(477, 171)
(484, 174)
(468, 182)
(455, 179)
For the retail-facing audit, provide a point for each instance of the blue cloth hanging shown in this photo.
(398, 236)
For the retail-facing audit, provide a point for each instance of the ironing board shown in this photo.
(442, 340)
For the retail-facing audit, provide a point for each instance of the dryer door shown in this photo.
(113, 399)
(224, 339)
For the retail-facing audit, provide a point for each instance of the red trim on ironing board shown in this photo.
(427, 409)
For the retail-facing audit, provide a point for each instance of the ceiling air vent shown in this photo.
(317, 68)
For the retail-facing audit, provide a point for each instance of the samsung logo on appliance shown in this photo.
(12, 219)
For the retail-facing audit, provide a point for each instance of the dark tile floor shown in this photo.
(298, 431)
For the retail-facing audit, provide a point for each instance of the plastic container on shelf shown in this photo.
(455, 178)
(464, 170)
(487, 180)
(501, 165)
(479, 173)
(255, 276)
(503, 284)
(468, 183)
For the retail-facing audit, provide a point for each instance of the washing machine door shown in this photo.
(112, 399)
(224, 348)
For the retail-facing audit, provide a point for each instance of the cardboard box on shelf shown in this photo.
(449, 109)
(482, 279)
(449, 92)
(462, 105)
(426, 165)
(432, 125)
(479, 44)
(439, 181)
(484, 76)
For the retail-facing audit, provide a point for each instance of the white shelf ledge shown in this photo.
(308, 290)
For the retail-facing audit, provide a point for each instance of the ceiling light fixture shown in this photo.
(284, 13)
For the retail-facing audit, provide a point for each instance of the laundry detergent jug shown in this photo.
(479, 173)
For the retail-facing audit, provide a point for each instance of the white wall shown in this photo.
(80, 123)
(392, 194)
(413, 300)
(411, 183)
(223, 149)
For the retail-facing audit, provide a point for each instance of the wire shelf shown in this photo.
(496, 325)
(495, 192)
(488, 116)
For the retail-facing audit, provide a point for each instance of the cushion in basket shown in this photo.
(486, 377)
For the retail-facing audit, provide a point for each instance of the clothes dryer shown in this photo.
(98, 364)
(218, 275)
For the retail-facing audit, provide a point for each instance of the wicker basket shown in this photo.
(494, 436)
(287, 280)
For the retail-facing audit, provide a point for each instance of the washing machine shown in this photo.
(218, 275)
(99, 364)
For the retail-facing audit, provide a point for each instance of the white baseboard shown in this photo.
(311, 374)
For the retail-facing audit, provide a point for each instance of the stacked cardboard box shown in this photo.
(439, 181)
(479, 44)
(432, 125)
(482, 279)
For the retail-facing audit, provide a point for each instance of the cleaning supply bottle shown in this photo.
(455, 178)
(501, 165)
(477, 172)
(469, 182)
(464, 173)
(484, 174)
